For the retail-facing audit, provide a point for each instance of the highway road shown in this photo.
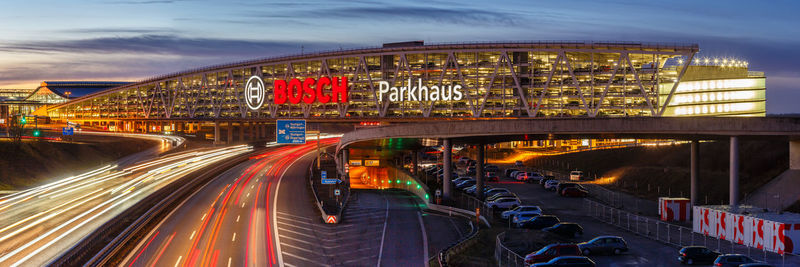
(261, 213)
(43, 222)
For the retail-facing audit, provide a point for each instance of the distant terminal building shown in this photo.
(27, 101)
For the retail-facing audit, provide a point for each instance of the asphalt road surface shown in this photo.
(43, 222)
(261, 213)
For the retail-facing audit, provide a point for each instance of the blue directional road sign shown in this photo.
(331, 181)
(290, 131)
(67, 131)
(323, 175)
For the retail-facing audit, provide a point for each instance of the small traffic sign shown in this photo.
(331, 181)
(330, 219)
(337, 192)
(323, 175)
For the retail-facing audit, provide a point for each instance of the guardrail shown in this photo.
(320, 205)
(505, 256)
(458, 246)
(674, 235)
(116, 233)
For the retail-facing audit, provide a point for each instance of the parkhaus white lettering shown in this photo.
(418, 92)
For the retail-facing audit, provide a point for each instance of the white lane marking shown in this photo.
(248, 195)
(383, 236)
(179, 261)
(251, 187)
(297, 233)
(234, 238)
(275, 210)
(306, 250)
(229, 261)
(242, 204)
(304, 259)
(192, 236)
(237, 217)
(424, 238)
(204, 216)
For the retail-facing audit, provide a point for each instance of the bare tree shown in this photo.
(15, 128)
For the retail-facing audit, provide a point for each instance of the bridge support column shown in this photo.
(479, 173)
(694, 163)
(241, 131)
(794, 154)
(734, 174)
(415, 162)
(345, 160)
(229, 140)
(447, 157)
(216, 132)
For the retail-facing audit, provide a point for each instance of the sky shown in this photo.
(131, 40)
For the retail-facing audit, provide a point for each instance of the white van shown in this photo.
(575, 175)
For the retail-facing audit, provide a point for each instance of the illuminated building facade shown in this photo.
(460, 81)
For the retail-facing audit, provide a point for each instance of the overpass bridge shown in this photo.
(412, 136)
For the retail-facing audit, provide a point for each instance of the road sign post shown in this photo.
(290, 132)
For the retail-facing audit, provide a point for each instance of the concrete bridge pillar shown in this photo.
(794, 154)
(479, 173)
(216, 132)
(694, 170)
(230, 133)
(415, 162)
(734, 174)
(447, 157)
(241, 131)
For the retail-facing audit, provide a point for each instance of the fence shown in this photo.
(505, 256)
(678, 236)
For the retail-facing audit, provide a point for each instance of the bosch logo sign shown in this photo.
(254, 92)
(310, 90)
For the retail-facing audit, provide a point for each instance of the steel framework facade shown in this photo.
(533, 79)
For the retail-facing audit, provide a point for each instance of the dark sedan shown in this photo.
(697, 255)
(566, 229)
(539, 222)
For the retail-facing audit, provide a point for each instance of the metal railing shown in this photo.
(676, 235)
(505, 256)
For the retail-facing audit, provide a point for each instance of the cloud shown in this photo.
(451, 15)
(166, 44)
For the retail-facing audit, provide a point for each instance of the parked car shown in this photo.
(545, 179)
(507, 214)
(759, 264)
(604, 245)
(561, 186)
(571, 261)
(463, 160)
(508, 172)
(566, 229)
(539, 222)
(574, 192)
(524, 216)
(491, 168)
(471, 171)
(504, 203)
(525, 176)
(732, 260)
(697, 255)
(465, 184)
(492, 177)
(460, 179)
(552, 251)
(575, 175)
(494, 191)
(501, 195)
(551, 185)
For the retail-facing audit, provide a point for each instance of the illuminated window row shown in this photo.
(716, 96)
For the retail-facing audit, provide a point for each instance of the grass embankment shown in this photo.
(521, 241)
(32, 163)
(666, 168)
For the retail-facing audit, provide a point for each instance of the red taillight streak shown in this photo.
(162, 250)
(143, 249)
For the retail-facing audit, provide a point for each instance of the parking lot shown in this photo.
(643, 251)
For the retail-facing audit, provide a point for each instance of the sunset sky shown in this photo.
(129, 40)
